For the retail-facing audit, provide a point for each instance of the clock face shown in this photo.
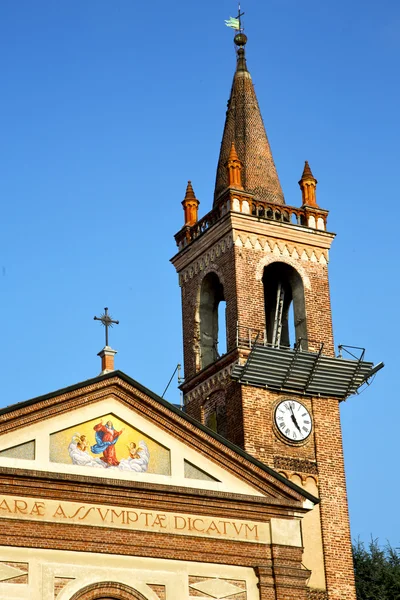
(293, 420)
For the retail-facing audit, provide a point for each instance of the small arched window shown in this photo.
(285, 313)
(211, 295)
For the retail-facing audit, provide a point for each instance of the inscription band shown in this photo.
(97, 515)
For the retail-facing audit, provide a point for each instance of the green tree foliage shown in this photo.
(377, 571)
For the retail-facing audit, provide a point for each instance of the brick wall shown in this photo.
(250, 410)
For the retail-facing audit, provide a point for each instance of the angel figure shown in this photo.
(133, 450)
(79, 454)
(138, 460)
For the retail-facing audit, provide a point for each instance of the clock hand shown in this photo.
(294, 418)
(295, 421)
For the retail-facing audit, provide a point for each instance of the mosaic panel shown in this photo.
(25, 451)
(107, 442)
(193, 472)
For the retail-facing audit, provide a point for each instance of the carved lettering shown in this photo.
(147, 516)
(118, 517)
(159, 522)
(103, 516)
(20, 506)
(197, 527)
(76, 513)
(238, 530)
(4, 506)
(180, 522)
(38, 509)
(88, 511)
(212, 528)
(250, 529)
(224, 526)
(132, 516)
(60, 513)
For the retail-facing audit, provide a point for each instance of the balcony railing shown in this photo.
(313, 218)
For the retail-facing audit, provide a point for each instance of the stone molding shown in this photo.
(167, 420)
(274, 250)
(281, 249)
(210, 385)
(206, 262)
(269, 229)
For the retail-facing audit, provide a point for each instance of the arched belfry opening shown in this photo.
(210, 313)
(285, 311)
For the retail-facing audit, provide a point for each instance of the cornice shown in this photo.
(268, 228)
(173, 421)
(85, 489)
(210, 237)
(264, 235)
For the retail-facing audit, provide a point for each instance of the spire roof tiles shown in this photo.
(245, 128)
(189, 191)
(307, 173)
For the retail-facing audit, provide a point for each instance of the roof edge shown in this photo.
(172, 408)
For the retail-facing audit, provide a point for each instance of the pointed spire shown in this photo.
(189, 191)
(233, 157)
(307, 174)
(190, 205)
(244, 126)
(308, 185)
(234, 167)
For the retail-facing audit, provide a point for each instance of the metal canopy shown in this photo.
(304, 372)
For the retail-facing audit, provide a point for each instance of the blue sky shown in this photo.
(108, 108)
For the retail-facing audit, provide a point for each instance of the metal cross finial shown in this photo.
(107, 321)
(239, 18)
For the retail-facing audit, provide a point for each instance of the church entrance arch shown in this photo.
(108, 590)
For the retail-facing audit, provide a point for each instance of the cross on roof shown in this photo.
(239, 18)
(107, 321)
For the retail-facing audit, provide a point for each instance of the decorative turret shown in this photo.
(190, 206)
(245, 128)
(308, 185)
(234, 167)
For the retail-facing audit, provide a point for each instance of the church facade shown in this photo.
(109, 492)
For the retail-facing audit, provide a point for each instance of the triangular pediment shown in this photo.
(115, 430)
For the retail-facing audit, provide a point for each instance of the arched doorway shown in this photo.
(108, 590)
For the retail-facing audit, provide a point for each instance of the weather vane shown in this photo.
(107, 321)
(235, 22)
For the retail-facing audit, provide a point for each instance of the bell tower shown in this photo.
(275, 386)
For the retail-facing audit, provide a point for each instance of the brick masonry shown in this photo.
(249, 245)
(282, 564)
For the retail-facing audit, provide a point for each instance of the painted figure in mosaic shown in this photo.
(82, 443)
(133, 450)
(106, 438)
(138, 460)
(79, 454)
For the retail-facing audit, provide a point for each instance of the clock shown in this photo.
(293, 420)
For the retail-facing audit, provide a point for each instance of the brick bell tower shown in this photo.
(275, 386)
